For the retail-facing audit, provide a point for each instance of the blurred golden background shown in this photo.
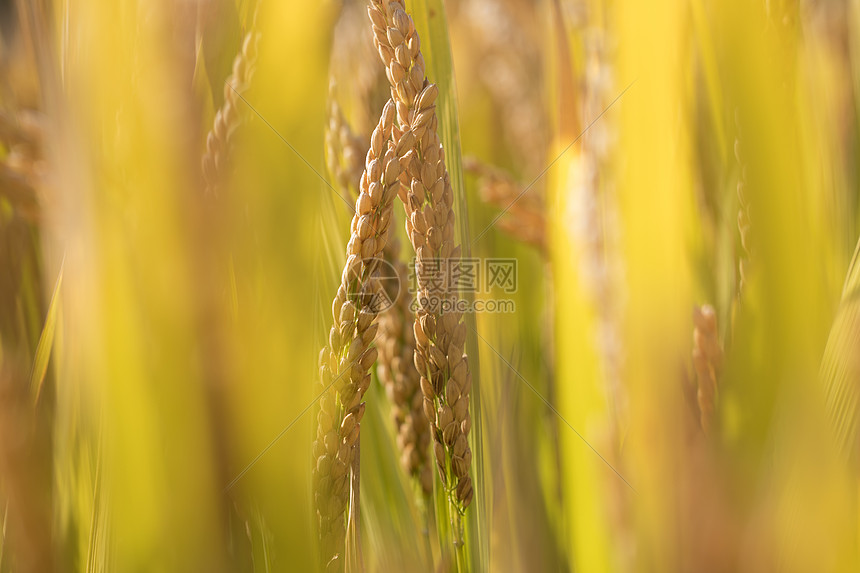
(676, 389)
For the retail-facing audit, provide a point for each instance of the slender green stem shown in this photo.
(450, 522)
(442, 522)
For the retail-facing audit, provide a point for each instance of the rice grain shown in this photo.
(440, 332)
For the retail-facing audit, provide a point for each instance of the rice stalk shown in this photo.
(440, 332)
(395, 340)
(346, 360)
(228, 118)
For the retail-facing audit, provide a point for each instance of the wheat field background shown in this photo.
(429, 285)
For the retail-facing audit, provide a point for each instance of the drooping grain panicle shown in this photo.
(396, 371)
(346, 360)
(524, 218)
(228, 118)
(440, 332)
(395, 340)
(343, 152)
(353, 65)
(707, 360)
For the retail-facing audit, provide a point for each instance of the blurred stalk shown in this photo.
(126, 160)
(26, 415)
(586, 270)
(274, 188)
(655, 198)
(772, 405)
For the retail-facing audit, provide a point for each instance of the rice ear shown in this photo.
(229, 116)
(348, 357)
(430, 197)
